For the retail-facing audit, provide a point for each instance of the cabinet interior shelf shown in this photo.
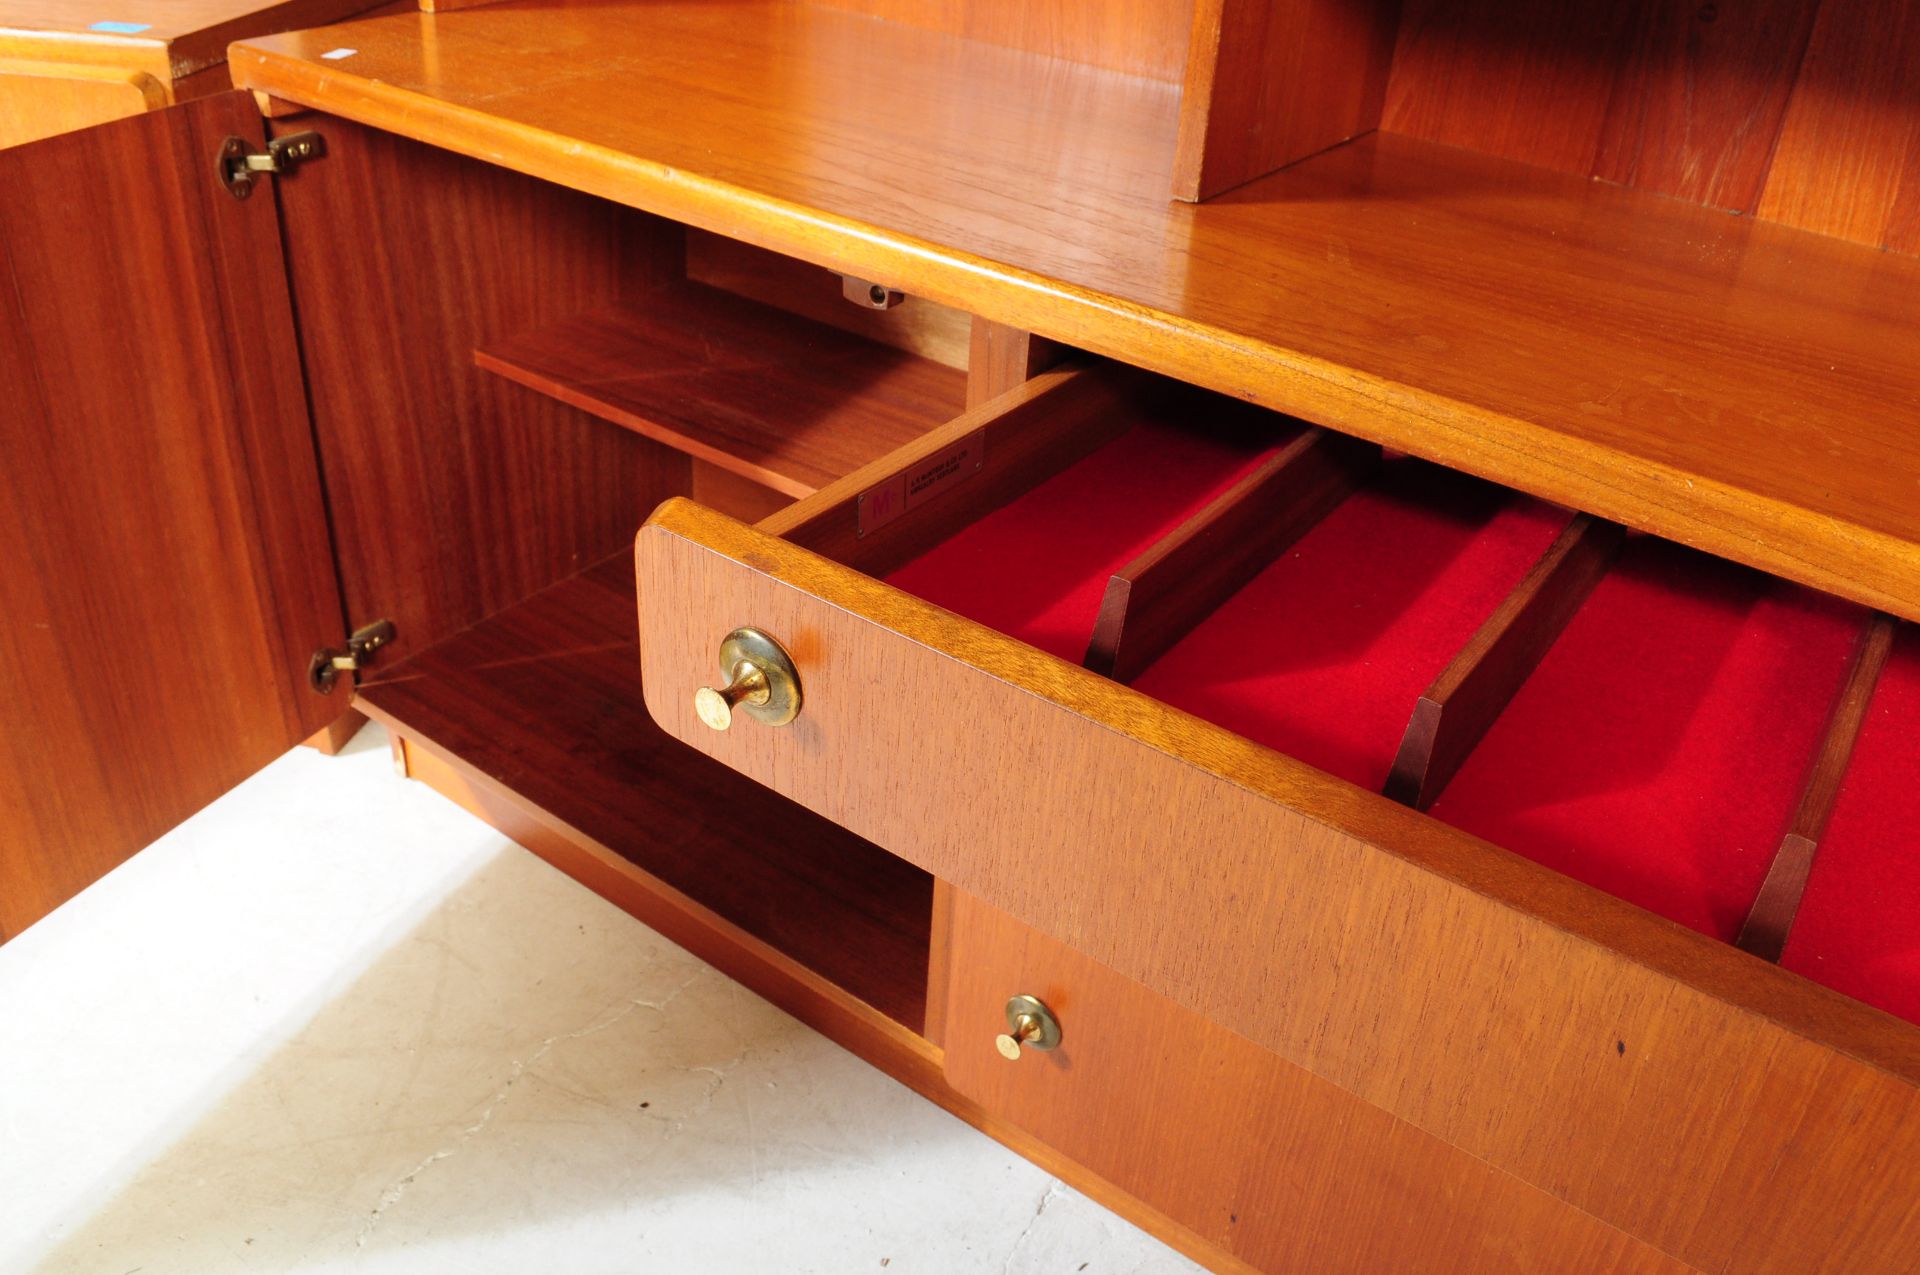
(543, 701)
(783, 400)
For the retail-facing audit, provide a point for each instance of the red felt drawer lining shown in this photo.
(1858, 930)
(1658, 750)
(1323, 654)
(1655, 754)
(1036, 569)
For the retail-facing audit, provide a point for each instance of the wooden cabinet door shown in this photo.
(165, 571)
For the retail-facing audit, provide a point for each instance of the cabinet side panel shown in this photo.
(454, 493)
(160, 516)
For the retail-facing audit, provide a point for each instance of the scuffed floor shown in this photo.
(334, 1022)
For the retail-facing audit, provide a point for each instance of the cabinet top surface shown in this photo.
(192, 34)
(1737, 385)
(150, 19)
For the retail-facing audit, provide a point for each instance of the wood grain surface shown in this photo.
(173, 40)
(1848, 158)
(1557, 1033)
(782, 400)
(168, 572)
(1000, 358)
(40, 99)
(1141, 37)
(1699, 98)
(1524, 81)
(1269, 83)
(452, 492)
(1684, 99)
(1734, 385)
(1281, 1170)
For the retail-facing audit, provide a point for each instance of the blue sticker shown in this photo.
(121, 28)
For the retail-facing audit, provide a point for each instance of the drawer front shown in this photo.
(1282, 1170)
(1696, 1098)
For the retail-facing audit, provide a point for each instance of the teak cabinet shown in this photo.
(1323, 558)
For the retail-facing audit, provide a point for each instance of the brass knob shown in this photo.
(761, 682)
(1030, 1024)
(749, 686)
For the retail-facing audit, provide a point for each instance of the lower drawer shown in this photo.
(1275, 1166)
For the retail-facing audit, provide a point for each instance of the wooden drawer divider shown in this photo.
(1771, 917)
(1455, 712)
(1153, 601)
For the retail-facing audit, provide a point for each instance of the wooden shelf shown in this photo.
(787, 401)
(1732, 384)
(543, 700)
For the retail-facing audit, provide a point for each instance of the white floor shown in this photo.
(333, 1022)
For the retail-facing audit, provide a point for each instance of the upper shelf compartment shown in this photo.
(1737, 386)
(781, 399)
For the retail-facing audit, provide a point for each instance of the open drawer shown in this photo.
(1295, 624)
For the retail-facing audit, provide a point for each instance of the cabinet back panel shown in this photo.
(1798, 110)
(916, 325)
(1848, 158)
(1140, 37)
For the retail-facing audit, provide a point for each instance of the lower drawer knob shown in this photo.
(761, 682)
(1030, 1024)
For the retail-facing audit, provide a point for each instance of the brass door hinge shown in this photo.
(329, 662)
(240, 163)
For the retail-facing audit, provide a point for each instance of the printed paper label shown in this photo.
(915, 486)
